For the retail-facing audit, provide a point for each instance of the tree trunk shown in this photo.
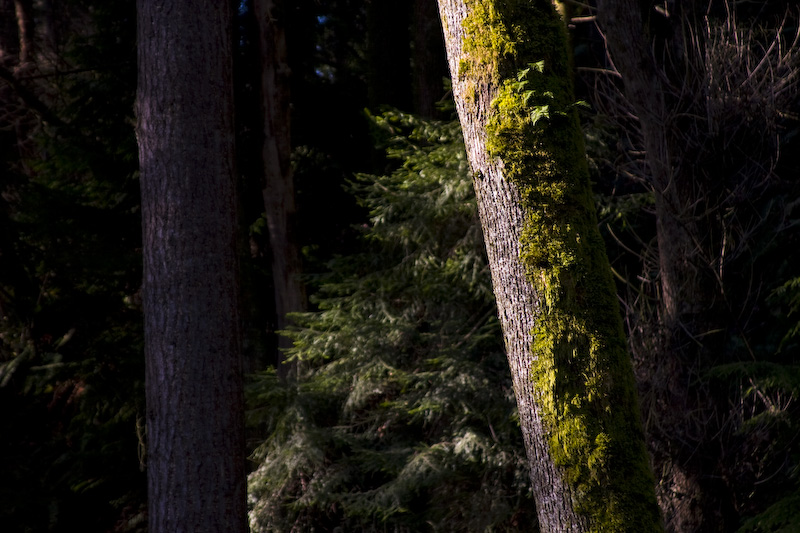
(556, 300)
(691, 313)
(50, 35)
(279, 181)
(630, 45)
(9, 33)
(24, 13)
(388, 54)
(195, 444)
(430, 63)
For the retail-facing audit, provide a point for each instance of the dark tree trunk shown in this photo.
(9, 33)
(691, 313)
(557, 304)
(389, 53)
(195, 444)
(279, 201)
(629, 43)
(24, 14)
(429, 59)
(50, 34)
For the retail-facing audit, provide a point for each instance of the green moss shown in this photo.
(582, 370)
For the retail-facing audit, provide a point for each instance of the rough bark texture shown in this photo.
(572, 375)
(279, 202)
(195, 445)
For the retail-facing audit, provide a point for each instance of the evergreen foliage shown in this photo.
(403, 418)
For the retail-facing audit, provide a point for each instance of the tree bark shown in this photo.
(629, 44)
(557, 304)
(389, 54)
(692, 315)
(278, 192)
(9, 32)
(195, 444)
(430, 63)
(24, 13)
(50, 34)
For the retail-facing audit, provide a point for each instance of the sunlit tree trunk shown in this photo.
(556, 300)
(195, 444)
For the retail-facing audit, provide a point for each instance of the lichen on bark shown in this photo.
(582, 371)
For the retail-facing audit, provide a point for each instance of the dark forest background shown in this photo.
(400, 414)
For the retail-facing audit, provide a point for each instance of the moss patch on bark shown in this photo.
(582, 371)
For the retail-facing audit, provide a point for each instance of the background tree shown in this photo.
(429, 63)
(564, 341)
(323, 69)
(195, 429)
(278, 188)
(705, 93)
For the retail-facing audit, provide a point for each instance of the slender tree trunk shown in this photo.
(557, 304)
(9, 33)
(430, 62)
(50, 34)
(195, 444)
(389, 53)
(278, 192)
(629, 43)
(24, 13)
(690, 308)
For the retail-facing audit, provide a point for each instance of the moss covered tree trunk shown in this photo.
(556, 300)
